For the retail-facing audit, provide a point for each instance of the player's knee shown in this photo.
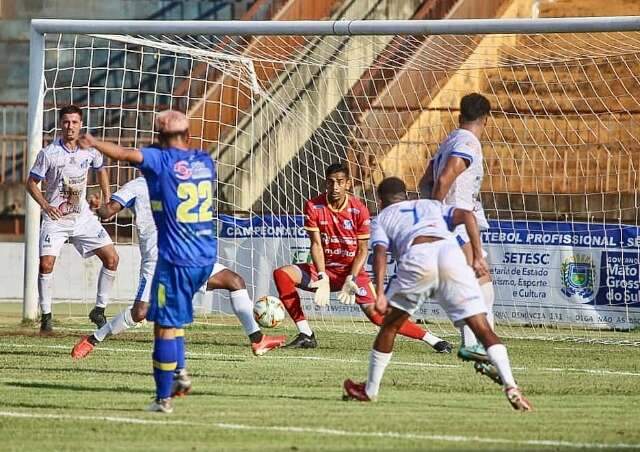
(236, 282)
(139, 312)
(110, 260)
(46, 266)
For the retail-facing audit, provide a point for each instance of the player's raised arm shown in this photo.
(453, 168)
(466, 217)
(111, 150)
(425, 186)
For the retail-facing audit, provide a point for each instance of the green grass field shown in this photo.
(585, 396)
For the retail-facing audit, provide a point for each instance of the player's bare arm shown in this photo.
(33, 187)
(111, 150)
(379, 273)
(108, 210)
(425, 186)
(466, 217)
(317, 251)
(453, 168)
(103, 182)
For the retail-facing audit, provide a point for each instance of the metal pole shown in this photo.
(342, 27)
(32, 210)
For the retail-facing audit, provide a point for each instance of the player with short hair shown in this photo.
(180, 182)
(430, 263)
(64, 168)
(135, 196)
(338, 226)
(454, 176)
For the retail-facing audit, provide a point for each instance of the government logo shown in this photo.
(577, 278)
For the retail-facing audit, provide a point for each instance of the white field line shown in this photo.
(322, 431)
(274, 356)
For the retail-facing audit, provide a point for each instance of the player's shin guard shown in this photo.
(117, 324)
(44, 292)
(500, 358)
(288, 294)
(378, 362)
(488, 295)
(164, 366)
(243, 309)
(105, 282)
(180, 350)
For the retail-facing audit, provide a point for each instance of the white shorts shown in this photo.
(147, 269)
(86, 234)
(438, 269)
(217, 268)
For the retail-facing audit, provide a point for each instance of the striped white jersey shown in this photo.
(135, 196)
(465, 190)
(65, 173)
(397, 225)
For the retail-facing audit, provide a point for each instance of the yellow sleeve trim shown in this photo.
(362, 237)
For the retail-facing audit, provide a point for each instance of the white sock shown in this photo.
(467, 336)
(499, 357)
(489, 297)
(116, 324)
(44, 292)
(431, 339)
(378, 362)
(243, 309)
(105, 282)
(303, 327)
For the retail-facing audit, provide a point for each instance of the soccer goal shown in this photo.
(276, 102)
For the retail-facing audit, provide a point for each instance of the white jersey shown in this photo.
(65, 174)
(135, 196)
(397, 225)
(465, 190)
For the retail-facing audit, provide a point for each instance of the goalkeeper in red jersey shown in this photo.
(338, 226)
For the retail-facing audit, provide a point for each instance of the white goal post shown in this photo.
(275, 102)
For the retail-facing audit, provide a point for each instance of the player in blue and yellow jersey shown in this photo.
(180, 182)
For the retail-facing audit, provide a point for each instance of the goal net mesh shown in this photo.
(561, 153)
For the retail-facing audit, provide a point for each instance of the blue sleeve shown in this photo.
(447, 214)
(151, 160)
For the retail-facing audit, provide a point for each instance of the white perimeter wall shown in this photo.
(74, 278)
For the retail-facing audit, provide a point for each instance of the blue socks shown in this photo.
(165, 356)
(180, 347)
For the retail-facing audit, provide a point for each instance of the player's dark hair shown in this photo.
(166, 137)
(337, 168)
(474, 106)
(70, 109)
(392, 189)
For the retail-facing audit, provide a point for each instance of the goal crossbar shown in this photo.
(342, 27)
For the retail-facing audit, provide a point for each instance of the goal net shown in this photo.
(561, 153)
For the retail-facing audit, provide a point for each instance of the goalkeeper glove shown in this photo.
(347, 294)
(323, 289)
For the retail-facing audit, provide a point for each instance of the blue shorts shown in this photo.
(172, 292)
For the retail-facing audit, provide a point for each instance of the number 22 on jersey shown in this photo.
(197, 202)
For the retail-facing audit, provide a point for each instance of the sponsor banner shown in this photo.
(545, 273)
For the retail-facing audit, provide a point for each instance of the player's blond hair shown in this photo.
(171, 122)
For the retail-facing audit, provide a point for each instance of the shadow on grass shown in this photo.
(74, 387)
(100, 409)
(76, 370)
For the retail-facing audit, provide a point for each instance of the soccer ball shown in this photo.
(268, 311)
